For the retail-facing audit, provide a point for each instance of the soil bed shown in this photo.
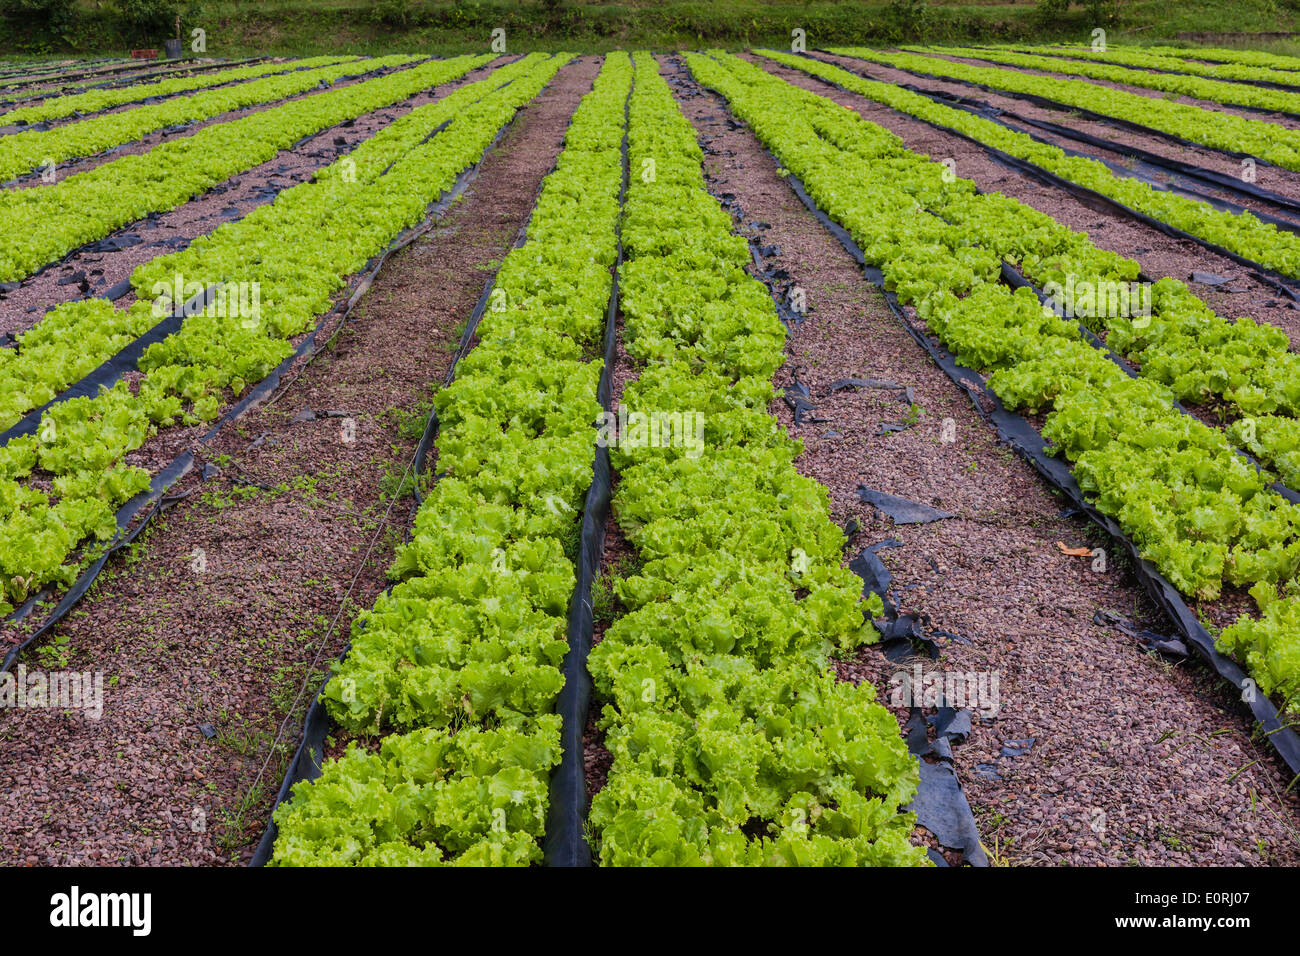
(230, 200)
(1158, 254)
(1280, 119)
(231, 647)
(68, 167)
(1132, 759)
(1284, 181)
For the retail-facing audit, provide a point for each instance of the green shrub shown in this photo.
(44, 18)
(153, 21)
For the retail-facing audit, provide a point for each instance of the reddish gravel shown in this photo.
(1158, 254)
(1133, 761)
(232, 645)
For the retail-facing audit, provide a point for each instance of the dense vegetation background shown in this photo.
(242, 27)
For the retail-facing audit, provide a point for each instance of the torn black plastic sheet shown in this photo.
(774, 278)
(181, 465)
(1161, 643)
(902, 635)
(876, 578)
(1099, 202)
(1021, 437)
(903, 393)
(940, 804)
(798, 398)
(900, 510)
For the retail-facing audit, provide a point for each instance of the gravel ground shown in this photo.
(1133, 760)
(231, 646)
(226, 202)
(1158, 254)
(1284, 181)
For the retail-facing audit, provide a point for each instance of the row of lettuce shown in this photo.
(36, 87)
(461, 659)
(1258, 58)
(92, 101)
(1194, 507)
(1176, 339)
(28, 150)
(94, 70)
(1239, 233)
(1178, 84)
(90, 205)
(60, 486)
(732, 741)
(1182, 61)
(1272, 142)
(1179, 340)
(72, 339)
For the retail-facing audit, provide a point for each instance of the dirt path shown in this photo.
(230, 646)
(1132, 759)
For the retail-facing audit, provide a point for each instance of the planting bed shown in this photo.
(601, 460)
